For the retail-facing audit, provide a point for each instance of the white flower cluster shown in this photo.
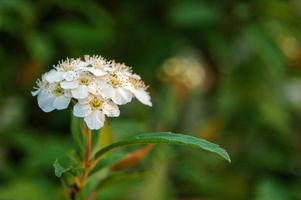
(95, 85)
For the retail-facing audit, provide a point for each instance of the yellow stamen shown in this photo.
(84, 81)
(58, 90)
(96, 103)
(114, 82)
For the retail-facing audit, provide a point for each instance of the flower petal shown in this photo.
(81, 110)
(111, 109)
(81, 92)
(142, 96)
(69, 75)
(45, 101)
(96, 72)
(82, 64)
(122, 96)
(106, 91)
(54, 76)
(69, 84)
(94, 88)
(95, 120)
(100, 88)
(61, 102)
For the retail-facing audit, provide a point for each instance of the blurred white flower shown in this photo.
(96, 85)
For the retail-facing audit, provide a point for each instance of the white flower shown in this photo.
(54, 76)
(97, 87)
(94, 109)
(51, 96)
(138, 88)
(65, 70)
(114, 87)
(96, 65)
(79, 85)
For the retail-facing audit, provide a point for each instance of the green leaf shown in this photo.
(59, 169)
(167, 138)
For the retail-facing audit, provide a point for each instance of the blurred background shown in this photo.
(224, 70)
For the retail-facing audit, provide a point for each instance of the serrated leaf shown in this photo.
(59, 169)
(167, 138)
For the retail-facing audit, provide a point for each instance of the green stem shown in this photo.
(81, 181)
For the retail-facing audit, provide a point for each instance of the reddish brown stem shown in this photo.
(88, 149)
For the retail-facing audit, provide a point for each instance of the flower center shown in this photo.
(95, 103)
(84, 81)
(58, 90)
(114, 82)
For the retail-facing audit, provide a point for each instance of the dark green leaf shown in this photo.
(168, 138)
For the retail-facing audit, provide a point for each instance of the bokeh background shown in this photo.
(224, 70)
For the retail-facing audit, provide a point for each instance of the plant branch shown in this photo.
(81, 181)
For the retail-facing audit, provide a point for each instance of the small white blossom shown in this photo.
(96, 65)
(65, 70)
(79, 85)
(114, 87)
(51, 96)
(97, 87)
(94, 109)
(138, 88)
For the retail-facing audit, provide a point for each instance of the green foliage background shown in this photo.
(248, 100)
